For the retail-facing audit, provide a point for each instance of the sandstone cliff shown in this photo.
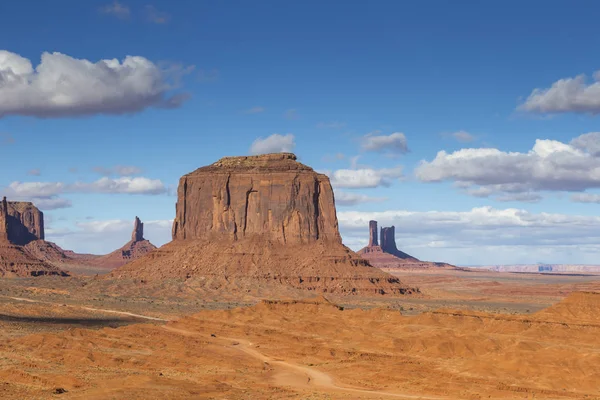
(248, 222)
(21, 221)
(272, 195)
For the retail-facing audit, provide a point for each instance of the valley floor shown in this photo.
(469, 335)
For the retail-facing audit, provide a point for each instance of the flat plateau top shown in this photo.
(275, 162)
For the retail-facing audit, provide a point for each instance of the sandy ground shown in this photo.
(468, 336)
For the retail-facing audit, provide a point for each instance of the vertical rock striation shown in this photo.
(21, 221)
(271, 195)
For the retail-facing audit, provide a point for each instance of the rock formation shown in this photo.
(373, 234)
(388, 243)
(3, 221)
(138, 231)
(21, 221)
(387, 255)
(271, 195)
(259, 220)
(137, 247)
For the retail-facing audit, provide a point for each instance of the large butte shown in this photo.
(268, 219)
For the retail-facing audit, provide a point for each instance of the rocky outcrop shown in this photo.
(386, 254)
(388, 243)
(138, 231)
(137, 247)
(254, 222)
(373, 234)
(3, 221)
(272, 195)
(22, 221)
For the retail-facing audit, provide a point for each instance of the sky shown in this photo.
(470, 126)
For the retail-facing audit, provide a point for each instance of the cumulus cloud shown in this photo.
(549, 166)
(352, 199)
(155, 16)
(275, 143)
(105, 236)
(46, 195)
(255, 110)
(483, 235)
(566, 95)
(116, 9)
(120, 170)
(364, 177)
(65, 86)
(394, 143)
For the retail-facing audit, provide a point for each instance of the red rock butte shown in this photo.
(21, 224)
(382, 251)
(258, 219)
(272, 195)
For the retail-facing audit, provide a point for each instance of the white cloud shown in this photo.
(155, 16)
(103, 237)
(364, 177)
(117, 9)
(123, 185)
(255, 110)
(566, 95)
(351, 199)
(483, 235)
(394, 143)
(549, 166)
(50, 203)
(64, 86)
(275, 143)
(586, 198)
(120, 170)
(463, 136)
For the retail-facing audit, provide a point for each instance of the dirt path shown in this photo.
(299, 376)
(92, 309)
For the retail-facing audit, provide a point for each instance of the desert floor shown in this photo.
(468, 335)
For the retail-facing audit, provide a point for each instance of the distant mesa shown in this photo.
(258, 221)
(382, 251)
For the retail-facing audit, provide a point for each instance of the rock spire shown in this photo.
(138, 231)
(373, 234)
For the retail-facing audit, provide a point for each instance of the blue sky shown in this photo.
(342, 78)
